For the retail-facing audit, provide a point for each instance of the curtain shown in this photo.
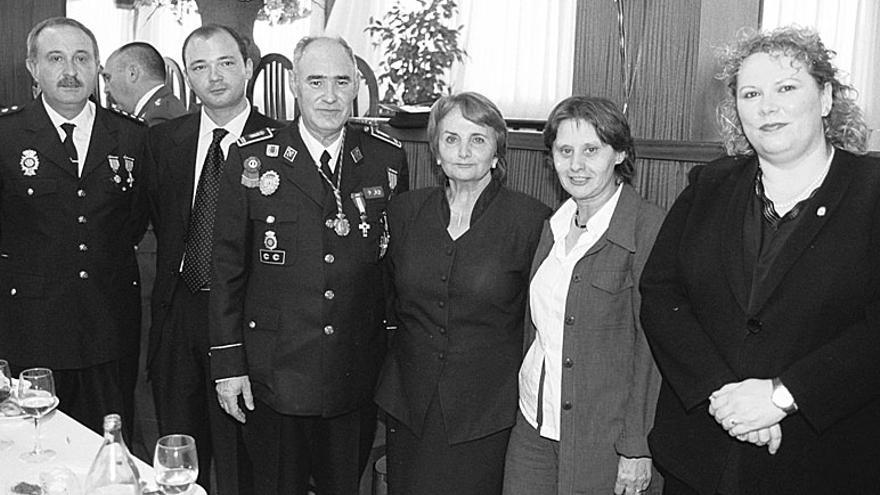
(519, 51)
(16, 20)
(852, 30)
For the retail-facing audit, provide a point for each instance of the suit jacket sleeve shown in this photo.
(229, 282)
(139, 218)
(642, 401)
(687, 357)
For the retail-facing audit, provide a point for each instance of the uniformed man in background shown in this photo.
(72, 208)
(297, 301)
(134, 79)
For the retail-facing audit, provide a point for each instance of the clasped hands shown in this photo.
(745, 411)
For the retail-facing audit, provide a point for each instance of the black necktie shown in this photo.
(197, 259)
(325, 164)
(69, 147)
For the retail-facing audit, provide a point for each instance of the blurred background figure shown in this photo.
(134, 79)
(588, 384)
(761, 297)
(460, 260)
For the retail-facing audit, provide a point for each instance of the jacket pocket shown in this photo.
(612, 282)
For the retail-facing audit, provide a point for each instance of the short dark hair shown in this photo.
(610, 124)
(209, 30)
(146, 56)
(53, 22)
(479, 110)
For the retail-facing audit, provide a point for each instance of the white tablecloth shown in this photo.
(75, 444)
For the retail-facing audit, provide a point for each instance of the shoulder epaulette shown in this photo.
(256, 137)
(127, 115)
(10, 110)
(382, 135)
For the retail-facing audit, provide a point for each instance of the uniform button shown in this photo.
(81, 193)
(83, 274)
(576, 278)
(329, 258)
(81, 219)
(13, 292)
(329, 294)
(449, 251)
(754, 325)
(442, 330)
(328, 223)
(270, 219)
(83, 247)
(328, 330)
(443, 278)
(569, 320)
(134, 283)
(30, 191)
(441, 356)
(568, 363)
(566, 405)
(252, 324)
(441, 304)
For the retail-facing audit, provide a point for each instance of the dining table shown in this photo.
(75, 445)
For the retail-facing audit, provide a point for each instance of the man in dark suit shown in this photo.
(187, 151)
(72, 207)
(297, 303)
(134, 79)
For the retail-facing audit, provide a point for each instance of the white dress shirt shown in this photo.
(316, 149)
(206, 135)
(547, 297)
(144, 99)
(82, 133)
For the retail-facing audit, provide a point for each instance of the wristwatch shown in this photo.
(782, 398)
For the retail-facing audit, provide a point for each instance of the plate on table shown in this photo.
(9, 411)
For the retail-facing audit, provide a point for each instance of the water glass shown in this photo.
(176, 463)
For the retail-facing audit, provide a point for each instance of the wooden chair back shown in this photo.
(174, 80)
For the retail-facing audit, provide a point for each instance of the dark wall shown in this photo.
(16, 19)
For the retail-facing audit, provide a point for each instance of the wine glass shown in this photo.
(36, 397)
(5, 393)
(176, 463)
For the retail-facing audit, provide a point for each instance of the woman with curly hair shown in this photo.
(761, 298)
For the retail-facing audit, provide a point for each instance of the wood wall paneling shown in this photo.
(16, 19)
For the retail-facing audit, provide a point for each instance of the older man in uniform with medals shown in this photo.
(297, 301)
(72, 208)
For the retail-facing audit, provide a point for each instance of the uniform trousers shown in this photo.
(185, 396)
(287, 450)
(428, 465)
(88, 394)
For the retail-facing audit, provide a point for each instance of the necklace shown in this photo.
(805, 192)
(339, 224)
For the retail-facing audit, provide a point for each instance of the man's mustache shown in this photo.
(70, 82)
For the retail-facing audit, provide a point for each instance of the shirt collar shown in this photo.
(234, 127)
(83, 121)
(144, 99)
(560, 222)
(315, 147)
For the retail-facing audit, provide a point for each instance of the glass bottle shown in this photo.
(113, 472)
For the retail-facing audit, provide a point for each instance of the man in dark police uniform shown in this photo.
(72, 208)
(297, 301)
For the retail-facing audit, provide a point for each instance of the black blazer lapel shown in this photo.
(180, 164)
(821, 208)
(44, 133)
(740, 191)
(301, 172)
(102, 143)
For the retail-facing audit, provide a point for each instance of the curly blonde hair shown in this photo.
(844, 126)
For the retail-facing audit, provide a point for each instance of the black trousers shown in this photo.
(287, 450)
(186, 401)
(429, 465)
(88, 394)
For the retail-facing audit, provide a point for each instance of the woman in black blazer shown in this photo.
(761, 298)
(460, 259)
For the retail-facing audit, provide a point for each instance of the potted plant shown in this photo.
(419, 48)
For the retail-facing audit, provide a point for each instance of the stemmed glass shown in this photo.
(36, 397)
(176, 463)
(5, 393)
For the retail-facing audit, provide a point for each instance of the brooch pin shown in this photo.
(250, 175)
(269, 183)
(29, 163)
(114, 166)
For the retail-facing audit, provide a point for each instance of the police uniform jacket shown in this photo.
(162, 107)
(307, 304)
(814, 322)
(173, 149)
(69, 295)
